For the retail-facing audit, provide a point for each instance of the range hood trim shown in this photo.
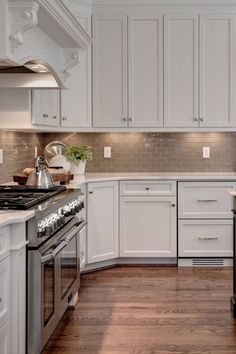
(56, 23)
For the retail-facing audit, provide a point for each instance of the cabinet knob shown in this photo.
(91, 192)
(124, 119)
(64, 118)
(173, 205)
(147, 189)
(130, 119)
(195, 119)
(201, 119)
(45, 115)
(54, 117)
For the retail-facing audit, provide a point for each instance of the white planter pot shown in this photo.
(78, 170)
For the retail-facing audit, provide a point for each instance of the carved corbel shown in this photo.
(72, 59)
(22, 19)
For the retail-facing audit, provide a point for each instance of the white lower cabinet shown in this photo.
(4, 290)
(205, 220)
(148, 226)
(83, 245)
(205, 238)
(5, 339)
(102, 221)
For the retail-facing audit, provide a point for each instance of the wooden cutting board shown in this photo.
(65, 178)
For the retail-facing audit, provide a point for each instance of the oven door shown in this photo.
(60, 271)
(53, 279)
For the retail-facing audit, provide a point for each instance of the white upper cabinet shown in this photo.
(145, 70)
(46, 107)
(181, 70)
(217, 70)
(199, 75)
(110, 71)
(128, 86)
(76, 99)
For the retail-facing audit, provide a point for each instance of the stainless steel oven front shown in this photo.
(54, 278)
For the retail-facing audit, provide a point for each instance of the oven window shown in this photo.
(69, 266)
(49, 290)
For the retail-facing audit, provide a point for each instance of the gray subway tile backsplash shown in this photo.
(136, 152)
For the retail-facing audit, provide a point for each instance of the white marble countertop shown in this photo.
(12, 216)
(178, 176)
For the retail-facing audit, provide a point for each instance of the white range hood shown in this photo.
(42, 35)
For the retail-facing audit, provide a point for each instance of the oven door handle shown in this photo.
(76, 228)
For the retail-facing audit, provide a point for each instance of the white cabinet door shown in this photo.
(145, 70)
(205, 238)
(83, 247)
(46, 107)
(217, 70)
(102, 221)
(148, 227)
(5, 339)
(181, 71)
(110, 71)
(76, 99)
(205, 200)
(5, 278)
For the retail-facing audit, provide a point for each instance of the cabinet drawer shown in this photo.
(147, 187)
(4, 243)
(82, 248)
(4, 290)
(205, 200)
(205, 238)
(5, 339)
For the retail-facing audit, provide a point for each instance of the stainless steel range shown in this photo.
(53, 264)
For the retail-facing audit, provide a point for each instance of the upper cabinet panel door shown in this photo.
(181, 71)
(46, 107)
(145, 53)
(110, 71)
(76, 100)
(217, 70)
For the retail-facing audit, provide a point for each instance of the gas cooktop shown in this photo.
(24, 197)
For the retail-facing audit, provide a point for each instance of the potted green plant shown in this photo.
(78, 155)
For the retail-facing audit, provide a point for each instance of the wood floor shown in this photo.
(150, 310)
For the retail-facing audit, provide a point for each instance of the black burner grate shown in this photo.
(21, 197)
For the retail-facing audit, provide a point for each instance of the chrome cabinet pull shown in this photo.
(45, 115)
(207, 200)
(207, 238)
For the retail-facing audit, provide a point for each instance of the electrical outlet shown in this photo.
(206, 152)
(107, 152)
(1, 155)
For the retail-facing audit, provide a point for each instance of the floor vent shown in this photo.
(208, 262)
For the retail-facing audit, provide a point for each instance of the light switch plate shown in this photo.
(206, 152)
(107, 152)
(1, 155)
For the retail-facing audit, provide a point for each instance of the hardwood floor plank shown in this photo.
(150, 310)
